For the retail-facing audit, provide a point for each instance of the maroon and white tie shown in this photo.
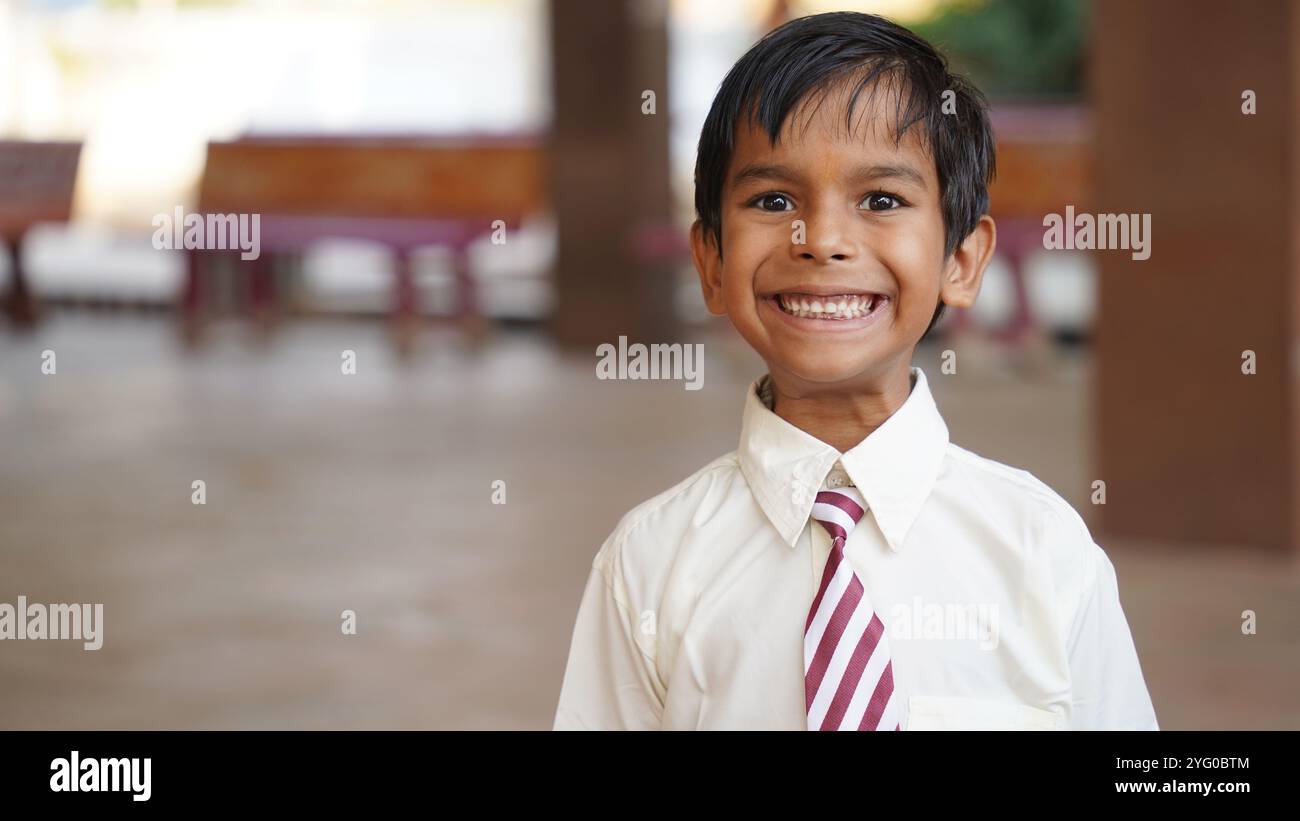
(848, 674)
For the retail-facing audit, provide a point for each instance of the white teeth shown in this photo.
(848, 306)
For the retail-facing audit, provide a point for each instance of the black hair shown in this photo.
(810, 55)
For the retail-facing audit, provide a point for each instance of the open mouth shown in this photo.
(830, 307)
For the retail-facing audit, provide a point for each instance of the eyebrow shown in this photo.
(782, 173)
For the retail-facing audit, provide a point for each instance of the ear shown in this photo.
(708, 264)
(964, 270)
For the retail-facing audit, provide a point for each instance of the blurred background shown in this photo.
(468, 196)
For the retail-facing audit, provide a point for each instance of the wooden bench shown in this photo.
(402, 192)
(36, 185)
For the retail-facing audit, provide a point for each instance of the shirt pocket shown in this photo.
(956, 713)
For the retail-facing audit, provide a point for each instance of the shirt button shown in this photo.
(837, 478)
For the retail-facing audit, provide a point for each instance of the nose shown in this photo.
(831, 233)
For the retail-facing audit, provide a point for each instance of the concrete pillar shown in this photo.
(1191, 448)
(609, 173)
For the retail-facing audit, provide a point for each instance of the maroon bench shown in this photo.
(402, 192)
(36, 184)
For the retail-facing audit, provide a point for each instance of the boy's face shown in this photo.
(832, 259)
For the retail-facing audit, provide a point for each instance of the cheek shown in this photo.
(916, 260)
(743, 253)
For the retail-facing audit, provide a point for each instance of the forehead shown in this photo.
(821, 130)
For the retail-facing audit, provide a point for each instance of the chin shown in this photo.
(827, 373)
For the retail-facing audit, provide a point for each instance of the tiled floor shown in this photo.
(373, 493)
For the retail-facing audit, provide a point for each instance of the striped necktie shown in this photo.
(848, 674)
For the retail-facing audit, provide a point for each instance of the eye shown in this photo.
(773, 202)
(880, 201)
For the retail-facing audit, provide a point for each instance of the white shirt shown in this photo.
(1000, 609)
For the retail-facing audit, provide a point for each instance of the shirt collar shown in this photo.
(894, 468)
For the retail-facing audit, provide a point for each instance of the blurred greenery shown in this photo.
(1013, 48)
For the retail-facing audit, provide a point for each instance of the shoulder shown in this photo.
(1051, 528)
(1015, 492)
(1052, 540)
(687, 496)
(655, 525)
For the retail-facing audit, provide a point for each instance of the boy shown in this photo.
(847, 567)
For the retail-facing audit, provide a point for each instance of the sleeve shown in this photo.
(610, 682)
(1109, 692)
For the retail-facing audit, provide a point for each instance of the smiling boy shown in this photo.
(841, 195)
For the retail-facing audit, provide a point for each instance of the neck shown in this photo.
(840, 417)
